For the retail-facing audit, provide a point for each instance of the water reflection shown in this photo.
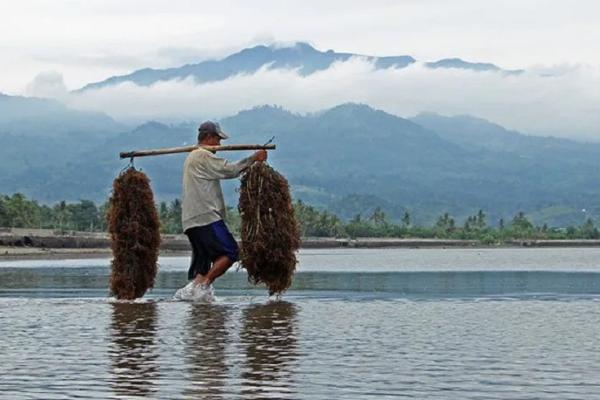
(205, 345)
(92, 282)
(133, 351)
(270, 340)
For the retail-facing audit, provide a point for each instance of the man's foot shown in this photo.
(185, 293)
(202, 280)
(195, 292)
(203, 293)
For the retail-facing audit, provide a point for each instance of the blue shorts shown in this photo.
(210, 242)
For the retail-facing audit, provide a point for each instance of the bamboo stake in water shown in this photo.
(186, 149)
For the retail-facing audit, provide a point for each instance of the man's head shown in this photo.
(210, 133)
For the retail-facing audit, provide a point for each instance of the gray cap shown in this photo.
(214, 128)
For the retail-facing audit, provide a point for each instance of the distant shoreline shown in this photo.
(24, 244)
(36, 253)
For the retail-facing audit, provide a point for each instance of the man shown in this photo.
(214, 249)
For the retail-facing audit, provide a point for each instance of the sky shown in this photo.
(47, 46)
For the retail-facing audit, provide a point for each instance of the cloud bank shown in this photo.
(561, 101)
(49, 84)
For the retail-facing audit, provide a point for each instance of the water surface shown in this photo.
(447, 324)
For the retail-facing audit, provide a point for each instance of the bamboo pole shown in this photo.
(186, 149)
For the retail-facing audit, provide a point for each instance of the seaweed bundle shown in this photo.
(133, 225)
(269, 231)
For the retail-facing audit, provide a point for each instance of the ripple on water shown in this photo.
(245, 347)
(439, 326)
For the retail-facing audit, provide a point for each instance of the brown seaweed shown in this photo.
(133, 225)
(269, 230)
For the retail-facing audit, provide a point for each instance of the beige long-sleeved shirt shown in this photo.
(202, 201)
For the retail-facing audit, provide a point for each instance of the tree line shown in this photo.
(19, 212)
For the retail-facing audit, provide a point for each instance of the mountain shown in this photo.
(560, 166)
(349, 159)
(476, 133)
(301, 56)
(461, 64)
(50, 118)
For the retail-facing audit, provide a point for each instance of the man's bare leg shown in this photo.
(219, 267)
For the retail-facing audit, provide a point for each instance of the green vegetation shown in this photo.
(19, 212)
(315, 222)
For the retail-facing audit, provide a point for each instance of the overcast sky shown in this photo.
(51, 45)
(88, 40)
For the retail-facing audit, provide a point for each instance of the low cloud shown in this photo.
(48, 84)
(560, 101)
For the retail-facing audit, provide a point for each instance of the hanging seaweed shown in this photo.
(133, 225)
(269, 231)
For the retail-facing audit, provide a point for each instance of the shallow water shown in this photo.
(447, 324)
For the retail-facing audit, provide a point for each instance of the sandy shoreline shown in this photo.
(9, 253)
(32, 253)
(24, 244)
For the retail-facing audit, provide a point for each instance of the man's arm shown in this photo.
(219, 168)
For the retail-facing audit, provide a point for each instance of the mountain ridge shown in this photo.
(301, 56)
(346, 158)
(50, 117)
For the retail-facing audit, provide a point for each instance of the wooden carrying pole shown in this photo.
(186, 149)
